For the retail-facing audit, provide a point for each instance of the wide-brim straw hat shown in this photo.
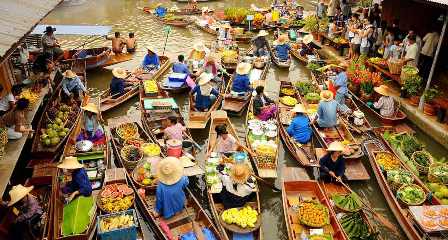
(17, 193)
(119, 72)
(308, 39)
(336, 146)
(169, 170)
(326, 95)
(151, 50)
(199, 46)
(282, 39)
(204, 78)
(383, 90)
(90, 107)
(299, 108)
(239, 173)
(262, 33)
(210, 57)
(70, 163)
(243, 68)
(69, 74)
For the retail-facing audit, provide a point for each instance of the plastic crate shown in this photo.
(129, 233)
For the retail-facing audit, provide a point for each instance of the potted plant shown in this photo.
(429, 108)
(311, 24)
(412, 87)
(366, 90)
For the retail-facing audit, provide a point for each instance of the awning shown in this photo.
(88, 30)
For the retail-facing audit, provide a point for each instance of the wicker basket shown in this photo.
(404, 75)
(100, 204)
(395, 66)
(124, 153)
(422, 169)
(136, 180)
(432, 178)
(394, 186)
(414, 204)
(132, 128)
(138, 142)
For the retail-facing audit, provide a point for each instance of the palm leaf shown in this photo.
(77, 215)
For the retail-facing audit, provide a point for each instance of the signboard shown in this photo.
(250, 17)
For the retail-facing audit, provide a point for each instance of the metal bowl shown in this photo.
(84, 146)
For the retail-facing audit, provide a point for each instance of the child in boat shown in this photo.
(264, 107)
(92, 129)
(282, 48)
(118, 43)
(332, 165)
(238, 186)
(170, 195)
(131, 43)
(300, 128)
(385, 105)
(241, 82)
(80, 183)
(204, 92)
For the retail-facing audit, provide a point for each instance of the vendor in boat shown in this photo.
(300, 128)
(131, 43)
(282, 48)
(7, 102)
(386, 103)
(332, 165)
(340, 85)
(307, 47)
(118, 85)
(118, 43)
(264, 107)
(51, 45)
(92, 129)
(204, 92)
(224, 33)
(226, 144)
(327, 110)
(180, 66)
(80, 183)
(27, 209)
(238, 186)
(170, 195)
(197, 55)
(212, 66)
(241, 82)
(174, 130)
(72, 85)
(260, 43)
(151, 61)
(14, 121)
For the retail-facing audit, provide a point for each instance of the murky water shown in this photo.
(126, 16)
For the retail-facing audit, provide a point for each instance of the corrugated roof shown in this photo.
(18, 18)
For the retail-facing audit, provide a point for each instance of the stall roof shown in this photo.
(438, 3)
(75, 30)
(18, 18)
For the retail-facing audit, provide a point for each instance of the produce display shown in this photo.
(430, 212)
(229, 56)
(312, 97)
(110, 223)
(411, 194)
(288, 101)
(378, 61)
(320, 237)
(143, 174)
(410, 70)
(127, 130)
(354, 226)
(116, 197)
(131, 153)
(136, 142)
(429, 224)
(443, 223)
(151, 149)
(400, 176)
(262, 138)
(32, 96)
(340, 40)
(245, 217)
(59, 122)
(349, 202)
(287, 91)
(387, 161)
(150, 86)
(312, 66)
(313, 214)
(305, 87)
(440, 191)
(422, 158)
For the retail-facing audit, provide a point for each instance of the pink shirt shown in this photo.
(174, 132)
(227, 145)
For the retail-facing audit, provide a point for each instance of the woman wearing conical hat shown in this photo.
(238, 186)
(91, 127)
(204, 92)
(282, 47)
(241, 81)
(332, 165)
(327, 110)
(386, 103)
(80, 183)
(300, 128)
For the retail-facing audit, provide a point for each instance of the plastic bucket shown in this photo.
(187, 146)
(174, 148)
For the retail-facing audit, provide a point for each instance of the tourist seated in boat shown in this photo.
(92, 130)
(151, 61)
(260, 44)
(332, 164)
(80, 183)
(212, 66)
(226, 144)
(131, 43)
(197, 55)
(238, 186)
(72, 85)
(51, 45)
(282, 48)
(300, 128)
(241, 81)
(264, 107)
(340, 85)
(28, 211)
(118, 85)
(327, 110)
(204, 92)
(118, 43)
(386, 104)
(15, 121)
(307, 47)
(180, 66)
(7, 102)
(170, 195)
(174, 130)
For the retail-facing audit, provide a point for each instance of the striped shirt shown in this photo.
(386, 106)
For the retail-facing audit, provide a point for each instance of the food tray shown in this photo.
(100, 205)
(417, 214)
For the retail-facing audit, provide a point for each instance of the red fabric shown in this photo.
(331, 88)
(166, 229)
(214, 69)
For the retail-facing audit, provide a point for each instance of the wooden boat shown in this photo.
(176, 21)
(94, 57)
(107, 103)
(401, 211)
(276, 60)
(240, 38)
(220, 117)
(186, 11)
(293, 193)
(295, 51)
(174, 90)
(38, 149)
(235, 105)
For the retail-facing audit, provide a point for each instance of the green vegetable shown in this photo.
(409, 144)
(313, 66)
(305, 87)
(400, 176)
(312, 97)
(355, 227)
(440, 172)
(411, 194)
(77, 215)
(422, 158)
(410, 70)
(349, 202)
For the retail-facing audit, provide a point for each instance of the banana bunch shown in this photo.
(288, 101)
(245, 217)
(30, 95)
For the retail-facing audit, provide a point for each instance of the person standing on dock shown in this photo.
(340, 85)
(332, 164)
(118, 43)
(300, 128)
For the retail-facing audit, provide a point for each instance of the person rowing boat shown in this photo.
(241, 82)
(118, 85)
(204, 92)
(300, 128)
(261, 44)
(332, 164)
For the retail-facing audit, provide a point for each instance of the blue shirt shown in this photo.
(170, 199)
(327, 112)
(80, 182)
(151, 60)
(341, 82)
(300, 129)
(116, 87)
(241, 83)
(327, 165)
(71, 84)
(203, 102)
(180, 68)
(282, 51)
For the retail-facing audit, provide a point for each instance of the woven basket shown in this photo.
(100, 204)
(404, 75)
(229, 60)
(432, 178)
(422, 169)
(394, 186)
(138, 141)
(124, 152)
(132, 128)
(135, 177)
(395, 66)
(414, 204)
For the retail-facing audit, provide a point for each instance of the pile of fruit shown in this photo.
(313, 214)
(137, 142)
(320, 237)
(355, 227)
(56, 128)
(411, 194)
(305, 87)
(143, 174)
(266, 154)
(229, 56)
(288, 101)
(349, 202)
(245, 217)
(151, 149)
(127, 130)
(387, 161)
(410, 70)
(440, 192)
(30, 95)
(116, 197)
(150, 86)
(131, 153)
(116, 222)
(287, 91)
(312, 97)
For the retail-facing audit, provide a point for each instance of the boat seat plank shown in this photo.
(196, 125)
(354, 169)
(180, 216)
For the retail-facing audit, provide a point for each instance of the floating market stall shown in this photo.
(169, 18)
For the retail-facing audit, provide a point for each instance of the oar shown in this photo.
(196, 228)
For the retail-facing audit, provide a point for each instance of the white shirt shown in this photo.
(4, 101)
(242, 190)
(431, 39)
(411, 53)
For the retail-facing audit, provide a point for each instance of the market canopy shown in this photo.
(89, 30)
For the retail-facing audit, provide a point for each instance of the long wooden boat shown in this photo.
(107, 103)
(220, 117)
(176, 21)
(276, 60)
(235, 105)
(94, 57)
(401, 211)
(295, 192)
(240, 38)
(295, 51)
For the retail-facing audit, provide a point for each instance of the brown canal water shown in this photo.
(126, 16)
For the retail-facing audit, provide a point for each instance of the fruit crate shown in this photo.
(129, 233)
